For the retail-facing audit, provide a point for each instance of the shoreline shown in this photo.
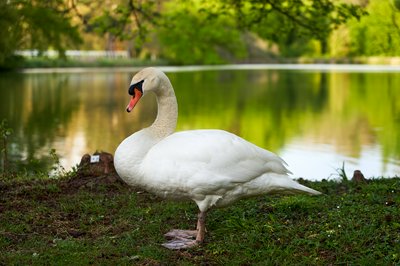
(28, 63)
(190, 68)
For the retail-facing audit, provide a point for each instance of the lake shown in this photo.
(318, 118)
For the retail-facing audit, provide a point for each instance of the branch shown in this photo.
(292, 18)
(135, 15)
(82, 17)
(393, 17)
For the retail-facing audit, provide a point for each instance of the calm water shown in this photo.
(315, 117)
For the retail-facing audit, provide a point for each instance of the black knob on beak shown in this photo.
(137, 86)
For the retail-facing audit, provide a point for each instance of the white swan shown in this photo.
(210, 167)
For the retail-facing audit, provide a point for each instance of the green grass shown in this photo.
(50, 222)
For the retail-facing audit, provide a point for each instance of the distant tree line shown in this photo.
(203, 31)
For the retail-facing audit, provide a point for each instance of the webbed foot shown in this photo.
(181, 239)
(180, 243)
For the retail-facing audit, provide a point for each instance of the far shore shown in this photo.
(275, 66)
(29, 64)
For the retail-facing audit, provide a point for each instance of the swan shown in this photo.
(213, 168)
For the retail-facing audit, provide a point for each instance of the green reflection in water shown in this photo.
(265, 107)
(78, 113)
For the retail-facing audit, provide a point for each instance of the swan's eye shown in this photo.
(138, 86)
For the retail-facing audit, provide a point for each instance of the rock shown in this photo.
(103, 166)
(358, 177)
(95, 171)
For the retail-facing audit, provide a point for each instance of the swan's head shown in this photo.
(148, 79)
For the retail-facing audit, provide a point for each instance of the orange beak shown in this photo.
(135, 98)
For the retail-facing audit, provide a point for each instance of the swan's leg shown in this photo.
(182, 239)
(201, 227)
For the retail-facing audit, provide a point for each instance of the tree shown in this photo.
(35, 25)
(377, 34)
(8, 30)
(187, 31)
(119, 20)
(200, 31)
(285, 22)
(190, 35)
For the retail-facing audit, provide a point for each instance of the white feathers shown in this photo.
(211, 167)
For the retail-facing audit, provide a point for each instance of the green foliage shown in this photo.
(189, 35)
(57, 169)
(182, 31)
(342, 174)
(220, 27)
(48, 25)
(27, 24)
(293, 24)
(397, 4)
(5, 133)
(123, 20)
(9, 30)
(5, 130)
(377, 34)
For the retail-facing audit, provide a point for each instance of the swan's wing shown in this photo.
(209, 160)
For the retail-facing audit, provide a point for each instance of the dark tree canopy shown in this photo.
(26, 24)
(58, 24)
(284, 22)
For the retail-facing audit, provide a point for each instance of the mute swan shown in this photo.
(210, 167)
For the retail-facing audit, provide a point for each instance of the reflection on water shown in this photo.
(315, 120)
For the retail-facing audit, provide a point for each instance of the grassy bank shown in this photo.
(69, 222)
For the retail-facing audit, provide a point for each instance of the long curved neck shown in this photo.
(167, 115)
(131, 152)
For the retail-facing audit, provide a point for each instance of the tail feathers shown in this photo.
(307, 190)
(286, 185)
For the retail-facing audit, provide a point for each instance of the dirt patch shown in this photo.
(94, 171)
(77, 182)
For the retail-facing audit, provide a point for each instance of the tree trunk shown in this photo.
(324, 46)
